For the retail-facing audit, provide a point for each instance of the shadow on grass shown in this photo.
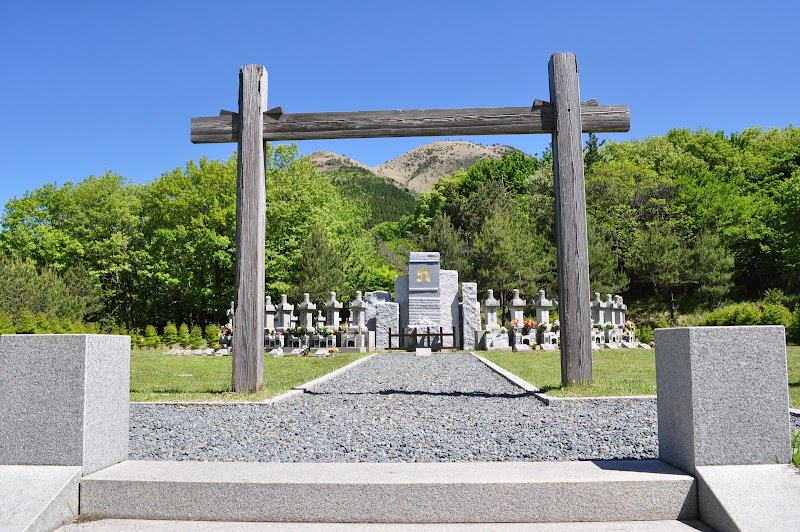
(545, 389)
(180, 391)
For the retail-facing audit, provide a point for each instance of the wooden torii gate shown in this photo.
(565, 117)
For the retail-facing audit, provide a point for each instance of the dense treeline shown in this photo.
(678, 224)
(384, 199)
(164, 251)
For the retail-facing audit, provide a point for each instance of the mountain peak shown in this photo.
(420, 168)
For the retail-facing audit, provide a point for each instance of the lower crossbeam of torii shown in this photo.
(564, 116)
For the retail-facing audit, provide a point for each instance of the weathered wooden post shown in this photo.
(571, 241)
(251, 207)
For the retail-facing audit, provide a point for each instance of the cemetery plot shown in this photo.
(564, 117)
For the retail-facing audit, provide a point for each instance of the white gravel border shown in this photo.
(547, 399)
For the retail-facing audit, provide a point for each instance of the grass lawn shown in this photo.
(156, 376)
(616, 372)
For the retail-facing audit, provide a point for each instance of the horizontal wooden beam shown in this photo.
(411, 123)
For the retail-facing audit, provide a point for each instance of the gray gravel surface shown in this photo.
(400, 408)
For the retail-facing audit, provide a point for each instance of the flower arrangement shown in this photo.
(528, 325)
(326, 331)
(630, 326)
(332, 351)
(609, 326)
(598, 325)
(543, 326)
(556, 326)
(515, 323)
(306, 352)
(503, 330)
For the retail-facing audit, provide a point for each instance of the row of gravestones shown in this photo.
(427, 313)
(302, 327)
(610, 328)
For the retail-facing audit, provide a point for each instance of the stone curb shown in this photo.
(547, 399)
(514, 379)
(294, 392)
(310, 385)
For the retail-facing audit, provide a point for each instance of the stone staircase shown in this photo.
(601, 495)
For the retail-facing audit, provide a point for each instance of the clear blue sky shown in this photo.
(95, 86)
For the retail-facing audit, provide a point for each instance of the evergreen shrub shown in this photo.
(170, 335)
(151, 338)
(183, 335)
(212, 334)
(196, 337)
(6, 323)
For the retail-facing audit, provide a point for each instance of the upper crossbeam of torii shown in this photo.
(565, 117)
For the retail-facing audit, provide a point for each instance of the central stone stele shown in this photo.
(424, 297)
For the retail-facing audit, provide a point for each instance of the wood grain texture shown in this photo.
(409, 123)
(571, 239)
(248, 352)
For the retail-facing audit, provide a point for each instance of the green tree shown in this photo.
(319, 269)
(170, 334)
(26, 322)
(183, 335)
(211, 333)
(93, 224)
(22, 286)
(591, 152)
(605, 275)
(793, 330)
(189, 227)
(506, 256)
(6, 323)
(711, 269)
(196, 337)
(151, 338)
(447, 240)
(658, 258)
(512, 169)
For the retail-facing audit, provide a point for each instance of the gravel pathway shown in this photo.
(400, 408)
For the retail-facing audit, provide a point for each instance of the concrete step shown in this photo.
(131, 525)
(34, 498)
(479, 492)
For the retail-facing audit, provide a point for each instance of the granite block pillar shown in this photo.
(387, 316)
(471, 314)
(450, 318)
(401, 298)
(373, 299)
(64, 400)
(722, 396)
